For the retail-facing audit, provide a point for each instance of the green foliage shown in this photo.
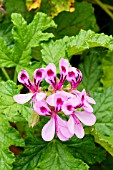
(103, 110)
(26, 37)
(88, 39)
(14, 112)
(72, 24)
(53, 51)
(42, 155)
(86, 150)
(90, 68)
(8, 136)
(107, 66)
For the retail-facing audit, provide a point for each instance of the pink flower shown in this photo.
(86, 100)
(74, 76)
(75, 127)
(55, 123)
(23, 78)
(51, 74)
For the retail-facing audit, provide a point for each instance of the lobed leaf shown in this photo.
(88, 39)
(41, 155)
(53, 51)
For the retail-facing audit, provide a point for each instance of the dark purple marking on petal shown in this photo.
(59, 101)
(23, 76)
(39, 74)
(50, 72)
(63, 69)
(69, 107)
(43, 109)
(71, 74)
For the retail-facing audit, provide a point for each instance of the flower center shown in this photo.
(59, 101)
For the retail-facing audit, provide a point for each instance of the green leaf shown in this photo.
(53, 51)
(86, 150)
(13, 111)
(107, 67)
(6, 159)
(5, 55)
(26, 37)
(41, 155)
(88, 39)
(102, 130)
(8, 136)
(75, 20)
(29, 159)
(91, 69)
(57, 157)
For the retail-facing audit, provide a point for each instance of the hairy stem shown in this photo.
(15, 76)
(5, 73)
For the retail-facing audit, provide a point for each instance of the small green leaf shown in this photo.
(88, 39)
(53, 51)
(91, 70)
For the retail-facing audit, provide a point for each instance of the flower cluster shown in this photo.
(69, 103)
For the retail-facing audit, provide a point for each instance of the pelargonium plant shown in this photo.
(67, 107)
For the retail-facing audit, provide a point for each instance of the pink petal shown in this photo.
(41, 108)
(22, 98)
(67, 108)
(48, 131)
(50, 100)
(63, 65)
(90, 100)
(40, 96)
(71, 125)
(87, 107)
(61, 136)
(50, 76)
(39, 75)
(87, 118)
(75, 127)
(78, 130)
(62, 126)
